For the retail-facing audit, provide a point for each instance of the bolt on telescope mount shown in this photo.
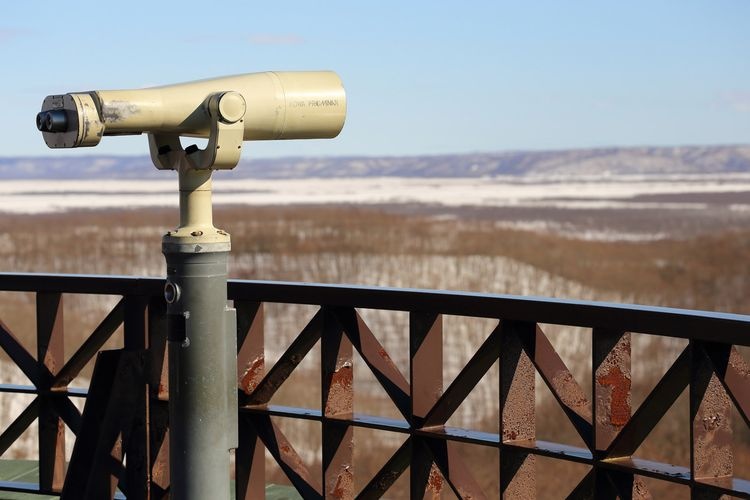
(201, 327)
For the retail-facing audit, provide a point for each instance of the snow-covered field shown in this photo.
(39, 196)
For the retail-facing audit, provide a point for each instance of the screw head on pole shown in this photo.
(171, 292)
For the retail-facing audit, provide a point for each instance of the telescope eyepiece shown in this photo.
(52, 121)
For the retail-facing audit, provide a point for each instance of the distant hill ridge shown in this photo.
(613, 161)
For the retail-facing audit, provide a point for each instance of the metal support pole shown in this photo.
(202, 348)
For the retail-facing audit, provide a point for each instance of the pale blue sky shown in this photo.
(421, 77)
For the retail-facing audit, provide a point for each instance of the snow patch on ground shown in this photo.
(38, 196)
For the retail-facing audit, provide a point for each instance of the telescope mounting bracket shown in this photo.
(226, 111)
(196, 233)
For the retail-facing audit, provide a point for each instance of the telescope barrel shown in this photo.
(280, 105)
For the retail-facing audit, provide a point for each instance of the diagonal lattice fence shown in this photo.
(126, 416)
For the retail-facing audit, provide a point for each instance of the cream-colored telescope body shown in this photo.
(271, 105)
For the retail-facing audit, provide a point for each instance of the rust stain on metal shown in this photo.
(712, 430)
(556, 374)
(292, 459)
(460, 476)
(340, 398)
(163, 391)
(640, 490)
(519, 418)
(50, 361)
(737, 379)
(465, 495)
(375, 355)
(738, 363)
(344, 487)
(619, 398)
(435, 482)
(570, 393)
(712, 461)
(522, 481)
(383, 354)
(252, 375)
(612, 384)
(160, 469)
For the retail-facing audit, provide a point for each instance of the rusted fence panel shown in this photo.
(133, 428)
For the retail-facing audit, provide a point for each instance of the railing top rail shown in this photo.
(701, 325)
(684, 323)
(96, 284)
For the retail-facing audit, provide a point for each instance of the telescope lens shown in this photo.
(40, 121)
(56, 121)
(52, 121)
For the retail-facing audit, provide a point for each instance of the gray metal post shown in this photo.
(202, 420)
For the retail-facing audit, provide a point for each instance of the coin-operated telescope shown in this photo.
(201, 328)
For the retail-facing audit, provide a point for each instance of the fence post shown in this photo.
(517, 411)
(50, 357)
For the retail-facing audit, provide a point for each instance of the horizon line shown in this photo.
(415, 155)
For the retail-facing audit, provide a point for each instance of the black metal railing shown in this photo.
(126, 413)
